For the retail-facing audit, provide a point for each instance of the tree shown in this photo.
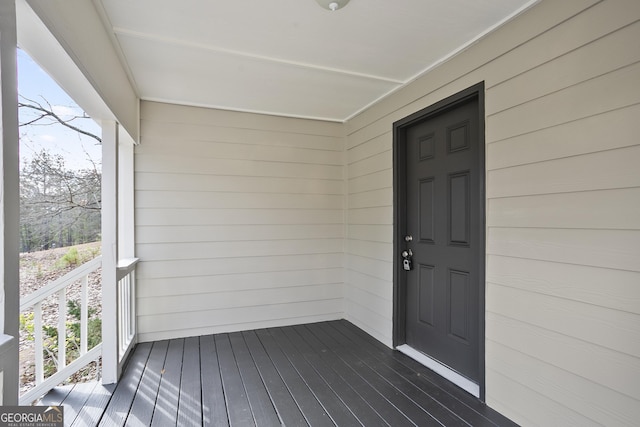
(59, 206)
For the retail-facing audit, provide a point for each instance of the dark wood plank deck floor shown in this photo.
(321, 374)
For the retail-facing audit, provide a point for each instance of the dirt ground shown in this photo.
(37, 269)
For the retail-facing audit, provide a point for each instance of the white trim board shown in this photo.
(440, 369)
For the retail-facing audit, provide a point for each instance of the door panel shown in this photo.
(459, 305)
(443, 212)
(426, 291)
(459, 208)
(427, 211)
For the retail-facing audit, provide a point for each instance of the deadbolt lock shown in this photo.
(407, 261)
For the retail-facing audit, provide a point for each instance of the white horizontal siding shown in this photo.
(616, 289)
(563, 209)
(195, 199)
(236, 265)
(165, 286)
(199, 216)
(616, 168)
(239, 221)
(558, 142)
(614, 249)
(586, 209)
(194, 164)
(247, 150)
(194, 323)
(615, 90)
(616, 370)
(545, 381)
(602, 326)
(181, 304)
(228, 129)
(150, 181)
(231, 249)
(237, 233)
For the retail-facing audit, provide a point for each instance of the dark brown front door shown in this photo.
(441, 223)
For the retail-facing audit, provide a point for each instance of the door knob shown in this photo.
(408, 238)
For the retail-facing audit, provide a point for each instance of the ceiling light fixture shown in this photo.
(333, 5)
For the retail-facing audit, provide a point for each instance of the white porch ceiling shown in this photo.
(291, 57)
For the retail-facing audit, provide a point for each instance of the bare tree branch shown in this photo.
(48, 113)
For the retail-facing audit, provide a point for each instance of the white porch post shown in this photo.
(126, 225)
(110, 362)
(9, 207)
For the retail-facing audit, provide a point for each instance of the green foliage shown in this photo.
(72, 339)
(94, 326)
(73, 257)
(26, 325)
(75, 309)
(70, 258)
(94, 251)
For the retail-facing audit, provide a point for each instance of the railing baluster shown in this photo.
(84, 315)
(132, 308)
(62, 328)
(125, 308)
(37, 336)
(120, 334)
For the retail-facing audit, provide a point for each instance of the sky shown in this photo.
(36, 84)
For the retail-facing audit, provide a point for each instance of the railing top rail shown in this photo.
(60, 283)
(126, 266)
(5, 340)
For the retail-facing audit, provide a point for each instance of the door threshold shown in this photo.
(440, 369)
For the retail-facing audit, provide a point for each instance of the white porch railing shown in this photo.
(86, 356)
(125, 275)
